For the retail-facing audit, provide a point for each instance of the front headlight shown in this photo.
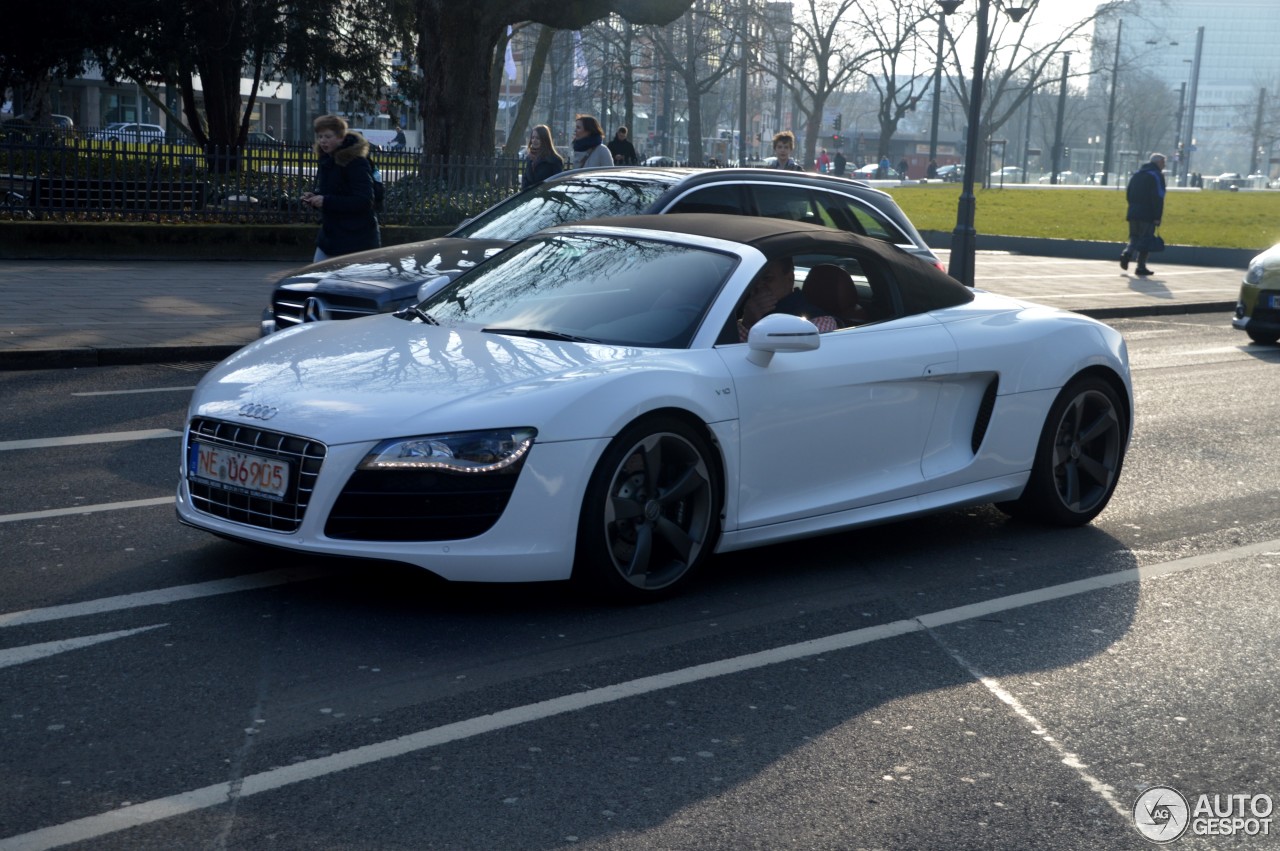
(469, 452)
(1255, 273)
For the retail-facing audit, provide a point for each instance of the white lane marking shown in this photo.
(86, 509)
(32, 652)
(1103, 790)
(81, 439)
(220, 793)
(164, 596)
(130, 392)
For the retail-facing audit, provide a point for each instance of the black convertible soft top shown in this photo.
(923, 286)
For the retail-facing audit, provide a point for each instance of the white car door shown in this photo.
(839, 427)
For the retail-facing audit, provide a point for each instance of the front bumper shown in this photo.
(534, 539)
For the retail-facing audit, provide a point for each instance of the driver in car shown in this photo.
(774, 291)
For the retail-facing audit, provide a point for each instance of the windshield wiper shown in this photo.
(540, 334)
(415, 312)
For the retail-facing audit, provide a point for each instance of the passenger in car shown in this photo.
(774, 291)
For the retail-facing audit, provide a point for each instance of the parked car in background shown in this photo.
(952, 173)
(585, 407)
(389, 278)
(1008, 174)
(256, 138)
(866, 171)
(129, 131)
(1064, 177)
(660, 162)
(1258, 307)
(377, 139)
(22, 128)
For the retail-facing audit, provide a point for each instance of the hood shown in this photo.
(398, 268)
(353, 145)
(381, 376)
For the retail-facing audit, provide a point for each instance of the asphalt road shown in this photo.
(957, 681)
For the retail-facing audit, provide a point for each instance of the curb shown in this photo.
(1072, 249)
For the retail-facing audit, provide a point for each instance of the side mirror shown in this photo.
(780, 332)
(431, 286)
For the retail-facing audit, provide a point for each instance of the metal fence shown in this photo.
(65, 177)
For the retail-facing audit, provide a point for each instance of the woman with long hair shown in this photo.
(543, 160)
(589, 150)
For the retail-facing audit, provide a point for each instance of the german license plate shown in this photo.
(238, 471)
(1273, 300)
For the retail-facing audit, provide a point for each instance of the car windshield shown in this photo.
(587, 288)
(561, 202)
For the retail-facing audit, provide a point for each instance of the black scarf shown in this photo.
(586, 143)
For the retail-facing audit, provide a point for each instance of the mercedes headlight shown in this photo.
(497, 451)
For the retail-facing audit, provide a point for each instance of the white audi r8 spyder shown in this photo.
(614, 401)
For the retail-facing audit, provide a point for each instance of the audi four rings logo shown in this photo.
(314, 310)
(259, 412)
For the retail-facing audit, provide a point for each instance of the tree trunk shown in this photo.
(455, 53)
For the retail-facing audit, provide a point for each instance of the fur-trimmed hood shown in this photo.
(353, 145)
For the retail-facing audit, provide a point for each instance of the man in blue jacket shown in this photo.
(1146, 207)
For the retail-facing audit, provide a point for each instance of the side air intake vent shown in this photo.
(984, 413)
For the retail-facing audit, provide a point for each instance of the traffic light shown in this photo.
(838, 121)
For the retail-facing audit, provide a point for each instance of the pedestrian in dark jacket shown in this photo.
(1145, 194)
(624, 153)
(543, 160)
(344, 191)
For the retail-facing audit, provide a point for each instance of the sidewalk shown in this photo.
(69, 313)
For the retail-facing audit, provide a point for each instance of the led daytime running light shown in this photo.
(452, 465)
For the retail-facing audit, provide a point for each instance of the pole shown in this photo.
(1188, 138)
(937, 90)
(1062, 110)
(1026, 142)
(1257, 133)
(1177, 160)
(742, 88)
(1111, 105)
(964, 237)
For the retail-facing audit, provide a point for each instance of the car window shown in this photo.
(848, 214)
(614, 290)
(719, 198)
(558, 202)
(794, 203)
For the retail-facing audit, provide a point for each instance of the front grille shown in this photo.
(285, 515)
(419, 505)
(290, 307)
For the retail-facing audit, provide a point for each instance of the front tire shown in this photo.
(1078, 457)
(651, 513)
(1266, 338)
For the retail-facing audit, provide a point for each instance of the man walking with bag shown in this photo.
(1146, 207)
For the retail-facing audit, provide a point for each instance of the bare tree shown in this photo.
(903, 66)
(1020, 61)
(826, 52)
(697, 49)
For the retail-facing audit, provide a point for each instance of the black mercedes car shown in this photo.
(390, 278)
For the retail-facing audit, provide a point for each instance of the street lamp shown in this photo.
(964, 237)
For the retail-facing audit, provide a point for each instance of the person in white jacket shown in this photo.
(589, 149)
